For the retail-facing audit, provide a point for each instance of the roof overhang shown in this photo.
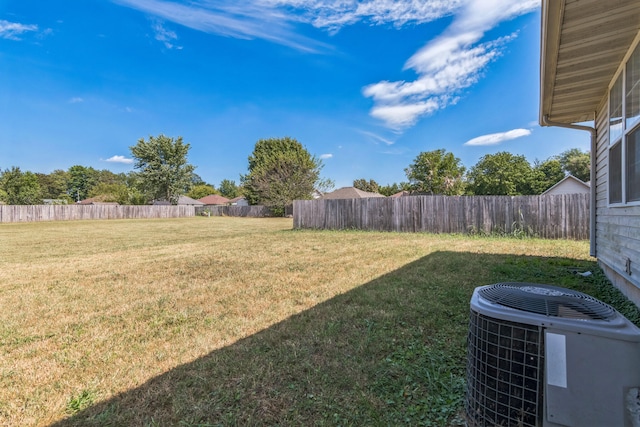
(583, 42)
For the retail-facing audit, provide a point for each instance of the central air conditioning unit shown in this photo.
(541, 355)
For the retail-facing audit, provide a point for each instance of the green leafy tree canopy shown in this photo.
(436, 172)
(545, 175)
(362, 184)
(229, 189)
(502, 173)
(280, 170)
(20, 188)
(577, 163)
(201, 190)
(164, 173)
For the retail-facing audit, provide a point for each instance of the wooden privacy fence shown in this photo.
(33, 213)
(255, 211)
(554, 217)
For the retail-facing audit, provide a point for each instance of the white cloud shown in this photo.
(242, 19)
(377, 137)
(274, 20)
(400, 116)
(447, 64)
(335, 14)
(12, 30)
(76, 100)
(119, 159)
(326, 156)
(498, 138)
(166, 37)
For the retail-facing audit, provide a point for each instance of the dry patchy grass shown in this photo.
(207, 321)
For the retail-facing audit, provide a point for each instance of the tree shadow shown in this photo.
(392, 351)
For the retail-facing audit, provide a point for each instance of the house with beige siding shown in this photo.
(590, 81)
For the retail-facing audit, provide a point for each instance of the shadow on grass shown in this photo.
(389, 352)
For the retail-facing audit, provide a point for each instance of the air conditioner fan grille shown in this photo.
(547, 300)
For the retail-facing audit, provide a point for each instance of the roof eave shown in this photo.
(551, 17)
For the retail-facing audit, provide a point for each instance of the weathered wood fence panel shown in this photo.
(255, 211)
(33, 213)
(555, 217)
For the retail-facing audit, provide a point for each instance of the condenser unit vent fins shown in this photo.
(504, 373)
(547, 300)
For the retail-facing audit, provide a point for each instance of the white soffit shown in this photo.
(582, 44)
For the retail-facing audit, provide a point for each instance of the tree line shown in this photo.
(279, 171)
(503, 173)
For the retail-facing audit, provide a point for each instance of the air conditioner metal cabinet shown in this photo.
(590, 379)
(540, 355)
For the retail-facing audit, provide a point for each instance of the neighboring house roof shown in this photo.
(401, 193)
(568, 185)
(96, 201)
(583, 44)
(350, 193)
(214, 199)
(185, 200)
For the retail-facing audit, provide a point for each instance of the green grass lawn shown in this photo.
(232, 321)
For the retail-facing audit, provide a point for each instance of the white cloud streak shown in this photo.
(446, 65)
(377, 138)
(76, 100)
(326, 156)
(12, 30)
(335, 14)
(119, 159)
(274, 20)
(498, 138)
(242, 19)
(166, 37)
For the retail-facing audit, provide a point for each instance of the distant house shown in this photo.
(214, 199)
(238, 201)
(188, 201)
(349, 193)
(568, 185)
(54, 202)
(589, 62)
(401, 194)
(96, 201)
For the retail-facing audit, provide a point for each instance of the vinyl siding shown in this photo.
(617, 228)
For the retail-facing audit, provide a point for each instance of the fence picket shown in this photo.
(551, 216)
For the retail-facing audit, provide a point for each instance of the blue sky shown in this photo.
(365, 85)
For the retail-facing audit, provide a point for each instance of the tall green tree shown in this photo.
(436, 172)
(114, 192)
(280, 170)
(163, 170)
(201, 190)
(80, 182)
(229, 189)
(362, 184)
(54, 185)
(577, 163)
(391, 189)
(20, 188)
(545, 175)
(502, 173)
